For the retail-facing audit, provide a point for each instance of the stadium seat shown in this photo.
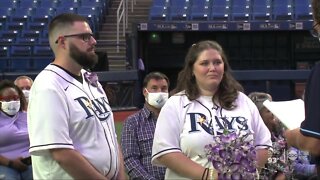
(158, 13)
(240, 13)
(41, 63)
(21, 14)
(26, 41)
(6, 41)
(42, 50)
(9, 3)
(219, 13)
(36, 26)
(28, 3)
(48, 3)
(3, 64)
(30, 33)
(199, 13)
(15, 26)
(9, 33)
(178, 13)
(61, 10)
(282, 10)
(43, 14)
(20, 50)
(43, 41)
(69, 3)
(261, 10)
(163, 3)
(302, 10)
(4, 51)
(20, 64)
(4, 14)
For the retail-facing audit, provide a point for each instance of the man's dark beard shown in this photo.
(84, 59)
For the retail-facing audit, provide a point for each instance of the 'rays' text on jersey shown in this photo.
(96, 107)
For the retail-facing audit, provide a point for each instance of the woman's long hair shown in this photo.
(228, 88)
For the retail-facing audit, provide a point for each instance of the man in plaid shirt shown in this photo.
(138, 130)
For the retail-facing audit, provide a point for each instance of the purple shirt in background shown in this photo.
(136, 140)
(14, 139)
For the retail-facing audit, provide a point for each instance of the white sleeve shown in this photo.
(168, 129)
(48, 119)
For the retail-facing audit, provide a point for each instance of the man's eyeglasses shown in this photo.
(84, 36)
(314, 32)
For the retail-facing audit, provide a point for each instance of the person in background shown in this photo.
(206, 102)
(71, 126)
(138, 130)
(24, 83)
(307, 137)
(301, 165)
(14, 139)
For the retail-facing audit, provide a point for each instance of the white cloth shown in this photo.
(63, 113)
(179, 129)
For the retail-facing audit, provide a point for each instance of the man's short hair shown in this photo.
(155, 75)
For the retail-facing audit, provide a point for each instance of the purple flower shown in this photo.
(232, 155)
(92, 78)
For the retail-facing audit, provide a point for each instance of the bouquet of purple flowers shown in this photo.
(233, 155)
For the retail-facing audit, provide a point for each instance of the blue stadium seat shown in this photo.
(6, 41)
(61, 10)
(179, 3)
(3, 64)
(163, 3)
(28, 3)
(21, 14)
(26, 41)
(30, 33)
(240, 13)
(4, 52)
(199, 13)
(20, 50)
(41, 63)
(69, 3)
(43, 14)
(9, 33)
(178, 13)
(158, 13)
(94, 3)
(261, 10)
(179, 10)
(20, 64)
(42, 50)
(302, 10)
(9, 3)
(282, 10)
(220, 13)
(15, 26)
(5, 13)
(48, 3)
(37, 26)
(260, 13)
(205, 3)
(43, 41)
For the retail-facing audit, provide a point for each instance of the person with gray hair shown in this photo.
(24, 83)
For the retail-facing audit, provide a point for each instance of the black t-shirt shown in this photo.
(311, 125)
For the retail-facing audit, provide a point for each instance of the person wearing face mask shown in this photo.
(14, 140)
(24, 83)
(138, 129)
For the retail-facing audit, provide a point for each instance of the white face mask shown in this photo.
(26, 94)
(157, 99)
(11, 108)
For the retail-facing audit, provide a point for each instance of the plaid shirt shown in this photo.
(136, 142)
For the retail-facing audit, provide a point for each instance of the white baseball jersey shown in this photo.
(64, 113)
(187, 126)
